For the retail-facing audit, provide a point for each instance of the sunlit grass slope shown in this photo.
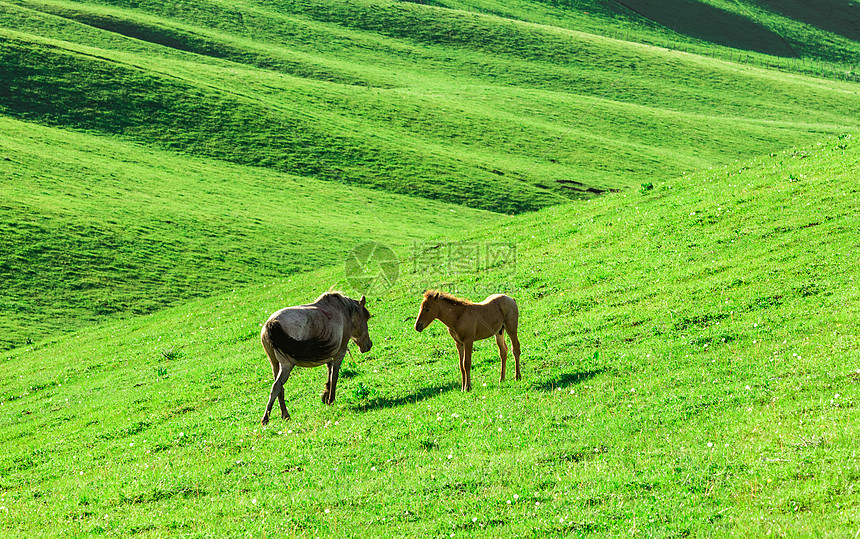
(827, 30)
(690, 368)
(92, 227)
(469, 108)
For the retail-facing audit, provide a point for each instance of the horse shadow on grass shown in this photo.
(568, 379)
(382, 402)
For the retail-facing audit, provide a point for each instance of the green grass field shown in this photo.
(690, 368)
(674, 209)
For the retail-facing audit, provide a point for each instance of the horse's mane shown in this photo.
(339, 298)
(437, 295)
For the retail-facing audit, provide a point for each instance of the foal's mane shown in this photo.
(437, 295)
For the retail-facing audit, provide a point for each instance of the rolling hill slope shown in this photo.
(92, 227)
(690, 369)
(107, 107)
(446, 104)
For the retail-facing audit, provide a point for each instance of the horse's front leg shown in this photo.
(331, 384)
(278, 393)
(461, 362)
(467, 366)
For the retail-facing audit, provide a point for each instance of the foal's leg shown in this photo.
(515, 344)
(462, 362)
(331, 383)
(467, 365)
(278, 392)
(503, 353)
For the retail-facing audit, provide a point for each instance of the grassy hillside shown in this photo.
(417, 99)
(690, 369)
(92, 227)
(824, 31)
(107, 108)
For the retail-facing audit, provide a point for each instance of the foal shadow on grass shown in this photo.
(568, 379)
(382, 402)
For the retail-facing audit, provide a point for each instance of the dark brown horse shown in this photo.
(310, 336)
(469, 322)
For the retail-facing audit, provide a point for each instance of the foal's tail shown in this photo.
(511, 316)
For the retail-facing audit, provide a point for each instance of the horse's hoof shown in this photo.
(264, 421)
(325, 397)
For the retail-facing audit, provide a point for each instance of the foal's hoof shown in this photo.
(325, 397)
(265, 420)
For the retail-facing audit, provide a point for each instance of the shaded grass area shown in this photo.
(709, 23)
(690, 369)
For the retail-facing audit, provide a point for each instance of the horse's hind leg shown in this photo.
(276, 368)
(503, 353)
(278, 392)
(512, 319)
(515, 344)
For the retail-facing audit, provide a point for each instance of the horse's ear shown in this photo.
(362, 302)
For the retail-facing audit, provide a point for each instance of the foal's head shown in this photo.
(429, 310)
(360, 334)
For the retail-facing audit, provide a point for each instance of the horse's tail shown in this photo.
(511, 314)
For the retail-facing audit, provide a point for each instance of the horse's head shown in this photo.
(427, 312)
(360, 334)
